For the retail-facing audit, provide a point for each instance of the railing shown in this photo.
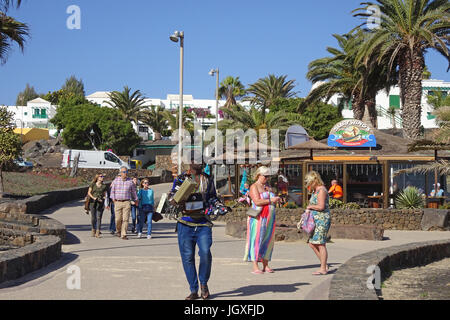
(382, 112)
(40, 116)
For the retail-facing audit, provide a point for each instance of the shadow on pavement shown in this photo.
(257, 289)
(312, 266)
(66, 258)
(71, 239)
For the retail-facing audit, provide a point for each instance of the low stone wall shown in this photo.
(16, 263)
(89, 174)
(362, 224)
(350, 280)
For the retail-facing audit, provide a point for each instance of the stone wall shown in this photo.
(35, 242)
(89, 174)
(350, 280)
(363, 224)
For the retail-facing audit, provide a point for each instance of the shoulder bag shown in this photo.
(254, 213)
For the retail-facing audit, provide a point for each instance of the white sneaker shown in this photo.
(149, 237)
(139, 235)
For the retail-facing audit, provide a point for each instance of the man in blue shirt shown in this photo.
(437, 192)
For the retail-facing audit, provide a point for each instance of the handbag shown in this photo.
(157, 216)
(307, 223)
(254, 213)
(87, 202)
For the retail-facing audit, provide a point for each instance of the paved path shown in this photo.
(112, 268)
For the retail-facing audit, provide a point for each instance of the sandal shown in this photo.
(268, 270)
(257, 272)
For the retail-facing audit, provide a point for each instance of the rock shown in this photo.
(434, 218)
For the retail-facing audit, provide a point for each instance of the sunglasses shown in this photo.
(124, 171)
(144, 182)
(101, 176)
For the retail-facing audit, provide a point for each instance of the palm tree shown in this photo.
(155, 118)
(339, 74)
(129, 106)
(173, 120)
(437, 99)
(266, 90)
(243, 118)
(11, 31)
(231, 89)
(392, 112)
(408, 29)
(336, 74)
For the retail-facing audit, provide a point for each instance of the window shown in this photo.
(140, 152)
(111, 157)
(394, 100)
(143, 129)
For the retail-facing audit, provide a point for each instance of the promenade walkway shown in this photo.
(112, 268)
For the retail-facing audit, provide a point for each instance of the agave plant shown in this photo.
(410, 198)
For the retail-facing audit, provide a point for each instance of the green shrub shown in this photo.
(335, 203)
(445, 206)
(351, 205)
(291, 205)
(410, 198)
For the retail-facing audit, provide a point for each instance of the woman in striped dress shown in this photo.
(261, 230)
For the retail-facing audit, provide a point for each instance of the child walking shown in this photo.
(146, 204)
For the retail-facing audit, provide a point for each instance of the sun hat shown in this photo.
(263, 171)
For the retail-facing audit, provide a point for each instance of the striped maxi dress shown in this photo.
(260, 233)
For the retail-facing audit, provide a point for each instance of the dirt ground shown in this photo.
(430, 282)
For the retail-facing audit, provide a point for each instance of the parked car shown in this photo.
(92, 159)
(22, 164)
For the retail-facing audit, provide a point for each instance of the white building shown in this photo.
(384, 100)
(205, 109)
(36, 114)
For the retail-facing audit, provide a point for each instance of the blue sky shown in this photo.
(127, 43)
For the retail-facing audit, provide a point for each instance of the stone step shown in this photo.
(18, 225)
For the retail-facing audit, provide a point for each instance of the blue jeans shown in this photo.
(188, 237)
(133, 216)
(145, 214)
(112, 222)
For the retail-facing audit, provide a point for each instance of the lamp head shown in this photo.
(212, 72)
(176, 35)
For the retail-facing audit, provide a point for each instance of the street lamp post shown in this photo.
(211, 73)
(174, 37)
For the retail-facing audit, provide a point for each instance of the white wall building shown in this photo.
(202, 107)
(384, 100)
(36, 114)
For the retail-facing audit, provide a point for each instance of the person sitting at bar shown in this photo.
(336, 190)
(437, 192)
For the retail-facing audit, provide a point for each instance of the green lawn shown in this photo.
(29, 183)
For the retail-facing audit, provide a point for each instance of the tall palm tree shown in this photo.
(231, 89)
(339, 74)
(155, 118)
(128, 105)
(266, 90)
(243, 118)
(336, 74)
(11, 31)
(408, 29)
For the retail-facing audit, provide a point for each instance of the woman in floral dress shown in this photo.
(261, 230)
(318, 205)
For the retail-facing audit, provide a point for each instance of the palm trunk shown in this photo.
(358, 107)
(371, 106)
(410, 81)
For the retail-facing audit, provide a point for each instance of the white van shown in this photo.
(92, 159)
